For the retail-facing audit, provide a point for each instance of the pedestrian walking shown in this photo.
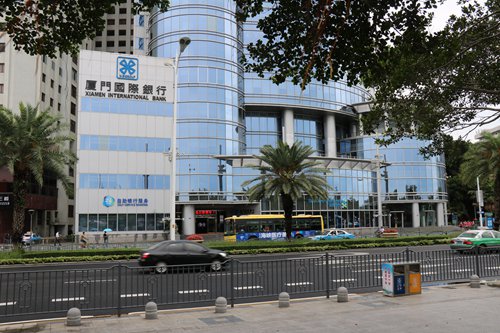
(106, 239)
(57, 239)
(83, 240)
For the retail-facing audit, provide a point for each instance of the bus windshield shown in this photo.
(272, 227)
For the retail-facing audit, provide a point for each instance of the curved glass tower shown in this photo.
(223, 111)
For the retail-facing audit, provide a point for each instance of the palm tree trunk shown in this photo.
(496, 190)
(19, 193)
(288, 204)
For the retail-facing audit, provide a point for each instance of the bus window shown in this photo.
(253, 226)
(229, 227)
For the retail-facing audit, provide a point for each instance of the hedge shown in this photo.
(256, 247)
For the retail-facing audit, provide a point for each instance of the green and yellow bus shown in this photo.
(270, 227)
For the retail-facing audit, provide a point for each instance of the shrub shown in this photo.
(195, 237)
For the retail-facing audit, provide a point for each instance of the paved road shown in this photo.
(107, 286)
(437, 310)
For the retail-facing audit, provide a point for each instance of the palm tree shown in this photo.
(483, 160)
(288, 172)
(31, 143)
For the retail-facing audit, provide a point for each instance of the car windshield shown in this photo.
(468, 235)
(154, 246)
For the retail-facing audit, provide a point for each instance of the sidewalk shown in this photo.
(452, 308)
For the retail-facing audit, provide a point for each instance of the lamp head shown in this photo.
(183, 43)
(31, 211)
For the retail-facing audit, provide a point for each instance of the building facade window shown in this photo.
(110, 33)
(122, 43)
(98, 43)
(2, 67)
(1, 88)
(72, 126)
(123, 181)
(110, 43)
(2, 47)
(73, 108)
(71, 211)
(124, 143)
(122, 32)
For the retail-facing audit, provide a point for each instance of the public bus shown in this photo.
(270, 227)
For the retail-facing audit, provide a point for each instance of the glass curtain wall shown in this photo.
(210, 95)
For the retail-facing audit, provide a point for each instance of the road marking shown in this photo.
(304, 258)
(462, 270)
(7, 303)
(90, 281)
(248, 287)
(67, 299)
(236, 273)
(199, 291)
(344, 280)
(134, 295)
(294, 284)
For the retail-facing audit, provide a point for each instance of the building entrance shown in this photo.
(206, 221)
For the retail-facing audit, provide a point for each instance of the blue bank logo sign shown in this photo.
(127, 68)
(108, 201)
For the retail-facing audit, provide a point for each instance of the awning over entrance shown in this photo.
(241, 161)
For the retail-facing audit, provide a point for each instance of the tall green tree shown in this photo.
(286, 171)
(49, 27)
(31, 142)
(483, 160)
(459, 198)
(442, 82)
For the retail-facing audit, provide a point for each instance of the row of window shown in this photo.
(120, 181)
(121, 222)
(124, 143)
(109, 105)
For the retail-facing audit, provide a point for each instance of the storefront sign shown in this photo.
(5, 200)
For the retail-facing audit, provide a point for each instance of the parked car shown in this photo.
(330, 234)
(30, 238)
(181, 252)
(472, 239)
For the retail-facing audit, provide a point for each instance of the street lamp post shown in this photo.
(379, 190)
(31, 211)
(183, 43)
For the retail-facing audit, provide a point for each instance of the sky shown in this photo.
(441, 15)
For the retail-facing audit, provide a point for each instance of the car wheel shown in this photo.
(216, 266)
(482, 248)
(460, 251)
(161, 267)
(298, 236)
(253, 238)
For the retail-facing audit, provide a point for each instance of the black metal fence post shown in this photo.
(231, 284)
(119, 310)
(476, 256)
(327, 275)
(407, 254)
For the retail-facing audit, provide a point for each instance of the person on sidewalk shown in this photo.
(105, 237)
(83, 240)
(57, 239)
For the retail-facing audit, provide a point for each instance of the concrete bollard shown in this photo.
(474, 281)
(342, 295)
(74, 317)
(284, 300)
(220, 305)
(151, 310)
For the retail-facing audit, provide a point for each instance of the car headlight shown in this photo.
(223, 254)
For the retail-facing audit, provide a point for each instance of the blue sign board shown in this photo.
(127, 68)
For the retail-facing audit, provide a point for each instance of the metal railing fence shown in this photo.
(123, 288)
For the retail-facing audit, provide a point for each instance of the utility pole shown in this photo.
(480, 203)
